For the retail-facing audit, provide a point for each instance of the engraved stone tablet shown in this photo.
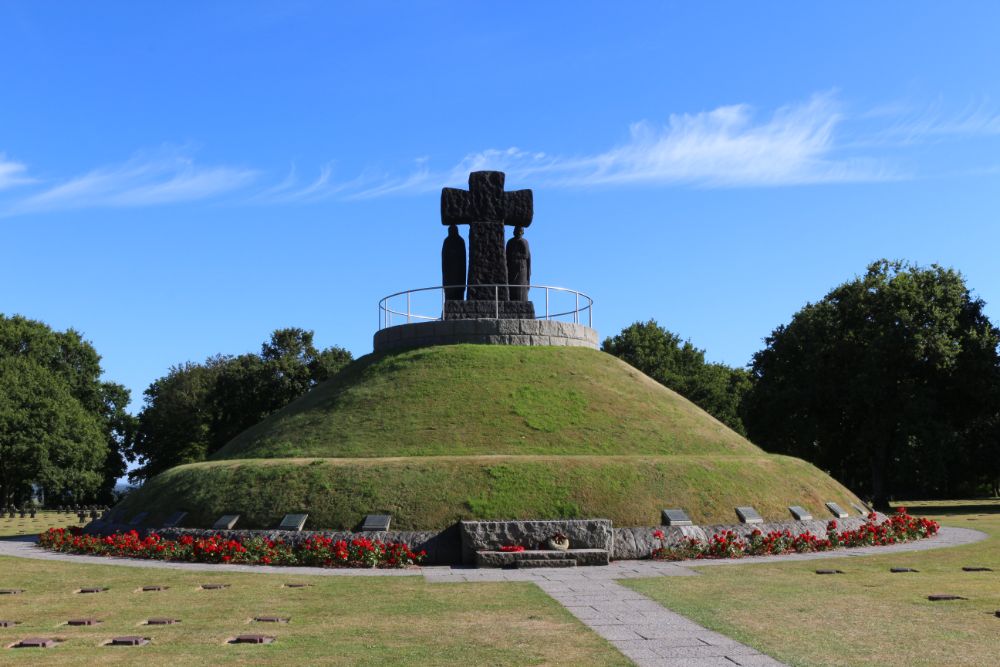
(376, 523)
(138, 519)
(271, 619)
(129, 640)
(8, 624)
(748, 515)
(293, 522)
(213, 587)
(968, 568)
(36, 642)
(800, 513)
(837, 511)
(829, 571)
(940, 598)
(11, 591)
(675, 517)
(174, 519)
(898, 570)
(150, 589)
(93, 589)
(226, 522)
(251, 639)
(297, 585)
(82, 621)
(162, 621)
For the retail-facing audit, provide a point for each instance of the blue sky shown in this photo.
(177, 181)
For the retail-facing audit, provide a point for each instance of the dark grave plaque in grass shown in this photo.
(82, 621)
(829, 572)
(8, 624)
(902, 569)
(940, 597)
(159, 620)
(251, 639)
(970, 568)
(293, 522)
(837, 511)
(297, 585)
(150, 589)
(174, 519)
(800, 513)
(129, 640)
(376, 523)
(213, 587)
(93, 589)
(271, 619)
(226, 522)
(748, 514)
(11, 591)
(675, 517)
(36, 642)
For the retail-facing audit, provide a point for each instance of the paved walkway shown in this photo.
(643, 630)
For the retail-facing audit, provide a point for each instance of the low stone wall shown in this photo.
(486, 332)
(490, 535)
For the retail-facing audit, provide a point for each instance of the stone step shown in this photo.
(541, 562)
(512, 558)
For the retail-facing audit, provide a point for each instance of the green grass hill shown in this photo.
(438, 434)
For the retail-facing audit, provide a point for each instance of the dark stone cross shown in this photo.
(486, 208)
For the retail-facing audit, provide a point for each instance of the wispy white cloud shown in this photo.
(12, 173)
(935, 123)
(727, 147)
(166, 178)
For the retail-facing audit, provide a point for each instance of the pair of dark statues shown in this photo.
(453, 265)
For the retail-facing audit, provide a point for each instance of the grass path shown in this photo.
(867, 616)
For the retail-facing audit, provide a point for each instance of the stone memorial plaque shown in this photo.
(82, 621)
(8, 624)
(897, 570)
(940, 598)
(271, 619)
(860, 510)
(829, 571)
(837, 511)
(748, 514)
(376, 523)
(968, 568)
(36, 642)
(675, 517)
(226, 522)
(129, 640)
(11, 591)
(213, 587)
(297, 585)
(293, 522)
(138, 519)
(251, 639)
(162, 621)
(150, 589)
(174, 519)
(800, 513)
(93, 589)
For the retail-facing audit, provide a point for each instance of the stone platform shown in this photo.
(479, 310)
(485, 332)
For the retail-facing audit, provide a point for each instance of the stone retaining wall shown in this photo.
(486, 332)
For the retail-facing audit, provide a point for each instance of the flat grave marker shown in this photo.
(829, 572)
(942, 597)
(800, 513)
(138, 519)
(251, 639)
(271, 619)
(150, 589)
(174, 519)
(296, 585)
(82, 621)
(837, 511)
(226, 522)
(213, 587)
(8, 624)
(294, 522)
(748, 514)
(902, 569)
(675, 517)
(162, 621)
(376, 523)
(11, 591)
(969, 568)
(93, 589)
(36, 642)
(129, 640)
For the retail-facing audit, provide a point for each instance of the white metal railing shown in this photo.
(400, 305)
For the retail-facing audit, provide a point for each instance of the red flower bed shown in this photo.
(901, 527)
(316, 551)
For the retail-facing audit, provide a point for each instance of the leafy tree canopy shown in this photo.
(74, 364)
(888, 382)
(679, 365)
(197, 408)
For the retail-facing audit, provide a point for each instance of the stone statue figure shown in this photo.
(518, 266)
(453, 265)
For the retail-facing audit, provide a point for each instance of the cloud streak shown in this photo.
(12, 174)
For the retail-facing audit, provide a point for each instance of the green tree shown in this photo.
(889, 382)
(47, 437)
(197, 408)
(679, 365)
(75, 363)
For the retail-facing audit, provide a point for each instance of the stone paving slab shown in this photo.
(641, 629)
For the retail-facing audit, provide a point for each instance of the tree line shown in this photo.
(890, 382)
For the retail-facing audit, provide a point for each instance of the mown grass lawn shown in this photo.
(335, 621)
(867, 616)
(42, 522)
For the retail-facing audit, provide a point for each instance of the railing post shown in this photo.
(576, 313)
(407, 307)
(546, 302)
(590, 314)
(496, 299)
(442, 302)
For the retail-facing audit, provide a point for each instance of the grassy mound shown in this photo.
(488, 399)
(433, 492)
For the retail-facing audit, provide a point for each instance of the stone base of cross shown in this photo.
(489, 309)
